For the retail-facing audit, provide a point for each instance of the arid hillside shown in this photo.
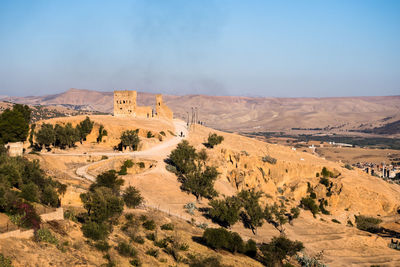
(250, 114)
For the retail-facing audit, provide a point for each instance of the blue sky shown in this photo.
(252, 48)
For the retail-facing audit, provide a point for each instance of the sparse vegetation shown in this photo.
(269, 159)
(5, 261)
(132, 197)
(369, 224)
(308, 203)
(102, 132)
(126, 250)
(167, 226)
(44, 235)
(214, 139)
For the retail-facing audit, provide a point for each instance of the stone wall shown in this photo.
(53, 216)
(125, 103)
(17, 234)
(15, 149)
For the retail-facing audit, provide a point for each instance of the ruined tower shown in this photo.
(162, 110)
(125, 106)
(125, 103)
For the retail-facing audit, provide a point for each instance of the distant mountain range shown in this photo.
(248, 114)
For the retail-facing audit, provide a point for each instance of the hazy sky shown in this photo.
(253, 48)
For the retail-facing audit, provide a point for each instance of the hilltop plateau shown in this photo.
(252, 114)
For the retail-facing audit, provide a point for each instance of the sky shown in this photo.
(266, 48)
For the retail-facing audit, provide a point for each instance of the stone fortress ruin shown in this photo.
(125, 106)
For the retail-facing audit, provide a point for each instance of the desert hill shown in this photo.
(250, 114)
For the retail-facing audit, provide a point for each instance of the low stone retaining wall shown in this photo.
(52, 216)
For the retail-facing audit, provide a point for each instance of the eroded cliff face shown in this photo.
(240, 162)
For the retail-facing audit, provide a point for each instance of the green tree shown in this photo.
(46, 135)
(225, 212)
(278, 215)
(130, 139)
(101, 204)
(30, 192)
(183, 157)
(253, 216)
(308, 203)
(214, 139)
(13, 126)
(50, 196)
(132, 197)
(84, 128)
(200, 182)
(31, 134)
(108, 179)
(279, 249)
(102, 132)
(24, 110)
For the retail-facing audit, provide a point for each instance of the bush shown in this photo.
(132, 197)
(141, 165)
(214, 139)
(162, 243)
(126, 250)
(138, 239)
(348, 166)
(5, 261)
(135, 262)
(220, 238)
(308, 203)
(167, 226)
(128, 163)
(95, 231)
(151, 236)
(269, 159)
(149, 225)
(44, 235)
(202, 261)
(149, 134)
(369, 224)
(102, 245)
(153, 252)
(336, 221)
(324, 181)
(162, 133)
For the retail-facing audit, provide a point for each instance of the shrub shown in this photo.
(95, 231)
(167, 226)
(44, 235)
(336, 221)
(202, 261)
(126, 250)
(324, 181)
(214, 139)
(128, 163)
(149, 225)
(190, 208)
(102, 245)
(278, 249)
(129, 216)
(132, 197)
(369, 224)
(151, 236)
(162, 243)
(349, 223)
(348, 166)
(153, 252)
(5, 261)
(269, 159)
(149, 135)
(135, 262)
(251, 248)
(308, 203)
(162, 133)
(220, 238)
(141, 165)
(138, 239)
(104, 157)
